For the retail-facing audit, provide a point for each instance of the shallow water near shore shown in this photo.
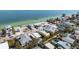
(25, 17)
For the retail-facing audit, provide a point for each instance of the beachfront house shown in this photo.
(17, 29)
(24, 28)
(64, 17)
(31, 26)
(9, 30)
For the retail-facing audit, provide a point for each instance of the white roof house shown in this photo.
(64, 18)
(38, 23)
(41, 23)
(8, 29)
(77, 32)
(35, 35)
(50, 46)
(68, 23)
(64, 44)
(4, 45)
(8, 26)
(77, 28)
(77, 36)
(40, 28)
(24, 38)
(17, 29)
(44, 33)
(50, 28)
(69, 40)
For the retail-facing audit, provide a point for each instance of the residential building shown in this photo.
(50, 46)
(24, 39)
(4, 45)
(52, 28)
(44, 34)
(68, 39)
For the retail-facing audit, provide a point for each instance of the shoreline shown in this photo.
(30, 21)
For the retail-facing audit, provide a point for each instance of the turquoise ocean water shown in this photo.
(13, 16)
